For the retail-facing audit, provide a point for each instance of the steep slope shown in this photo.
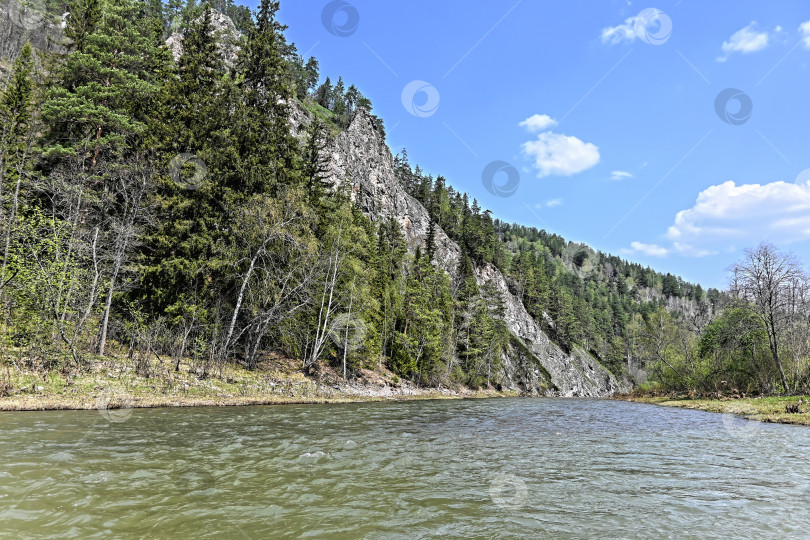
(532, 363)
(22, 22)
(359, 157)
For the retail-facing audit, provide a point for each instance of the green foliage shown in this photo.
(734, 351)
(85, 16)
(102, 232)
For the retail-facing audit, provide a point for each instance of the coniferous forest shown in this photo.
(159, 209)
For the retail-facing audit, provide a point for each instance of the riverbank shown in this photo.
(118, 385)
(762, 409)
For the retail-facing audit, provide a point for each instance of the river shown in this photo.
(497, 468)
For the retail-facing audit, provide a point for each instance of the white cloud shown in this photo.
(728, 217)
(732, 214)
(613, 35)
(556, 154)
(804, 29)
(745, 41)
(652, 250)
(620, 175)
(553, 203)
(538, 122)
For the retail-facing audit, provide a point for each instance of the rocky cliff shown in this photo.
(360, 158)
(27, 21)
(225, 32)
(532, 363)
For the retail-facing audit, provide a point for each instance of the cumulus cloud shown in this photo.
(538, 122)
(728, 217)
(625, 32)
(650, 25)
(745, 41)
(745, 213)
(563, 155)
(556, 154)
(620, 175)
(804, 29)
(653, 250)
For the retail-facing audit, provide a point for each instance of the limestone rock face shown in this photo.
(27, 21)
(532, 364)
(575, 374)
(360, 158)
(228, 37)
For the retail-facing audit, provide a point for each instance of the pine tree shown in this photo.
(311, 75)
(353, 97)
(339, 100)
(430, 241)
(324, 96)
(267, 91)
(16, 104)
(176, 260)
(315, 171)
(85, 16)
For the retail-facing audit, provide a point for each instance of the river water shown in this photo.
(498, 468)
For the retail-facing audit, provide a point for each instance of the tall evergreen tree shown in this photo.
(84, 16)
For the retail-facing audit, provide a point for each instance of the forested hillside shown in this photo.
(589, 297)
(163, 208)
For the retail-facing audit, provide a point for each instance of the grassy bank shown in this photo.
(763, 409)
(117, 384)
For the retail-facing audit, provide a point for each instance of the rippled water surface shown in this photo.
(500, 468)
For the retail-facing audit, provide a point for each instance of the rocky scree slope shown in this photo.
(531, 363)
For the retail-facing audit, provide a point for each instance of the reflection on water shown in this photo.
(501, 468)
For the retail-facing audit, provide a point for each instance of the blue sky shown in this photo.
(622, 145)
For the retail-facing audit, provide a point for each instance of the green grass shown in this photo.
(115, 382)
(764, 409)
(326, 116)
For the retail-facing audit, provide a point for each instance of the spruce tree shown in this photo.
(85, 15)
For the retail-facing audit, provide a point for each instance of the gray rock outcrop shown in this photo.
(21, 22)
(228, 37)
(532, 364)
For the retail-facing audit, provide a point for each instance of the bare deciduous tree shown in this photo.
(768, 280)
